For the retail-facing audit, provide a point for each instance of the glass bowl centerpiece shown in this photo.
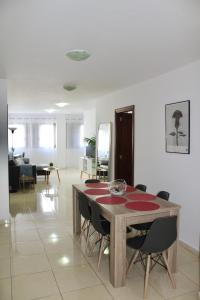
(118, 187)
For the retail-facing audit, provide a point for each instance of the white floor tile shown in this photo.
(73, 278)
(33, 286)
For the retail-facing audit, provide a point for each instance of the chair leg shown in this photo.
(87, 235)
(147, 275)
(169, 271)
(133, 259)
(82, 229)
(100, 252)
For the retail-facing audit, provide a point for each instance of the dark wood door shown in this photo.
(124, 145)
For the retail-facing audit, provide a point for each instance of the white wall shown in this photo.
(176, 173)
(4, 200)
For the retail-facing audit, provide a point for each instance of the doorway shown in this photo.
(124, 143)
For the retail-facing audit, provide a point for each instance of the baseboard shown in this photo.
(189, 248)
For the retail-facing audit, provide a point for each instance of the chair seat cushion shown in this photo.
(136, 242)
(142, 227)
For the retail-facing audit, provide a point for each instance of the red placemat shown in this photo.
(142, 205)
(111, 200)
(97, 185)
(140, 196)
(97, 192)
(130, 188)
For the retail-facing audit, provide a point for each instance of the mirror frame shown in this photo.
(110, 149)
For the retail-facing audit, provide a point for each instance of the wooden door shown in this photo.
(124, 144)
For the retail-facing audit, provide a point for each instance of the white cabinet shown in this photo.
(87, 166)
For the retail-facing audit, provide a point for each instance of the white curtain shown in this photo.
(74, 141)
(73, 132)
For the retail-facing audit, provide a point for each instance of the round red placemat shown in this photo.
(130, 188)
(142, 205)
(97, 185)
(141, 196)
(111, 200)
(96, 192)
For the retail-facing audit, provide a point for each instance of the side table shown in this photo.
(48, 171)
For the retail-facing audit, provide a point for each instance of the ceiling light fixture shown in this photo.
(78, 55)
(50, 110)
(62, 104)
(69, 87)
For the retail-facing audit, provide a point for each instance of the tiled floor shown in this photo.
(40, 259)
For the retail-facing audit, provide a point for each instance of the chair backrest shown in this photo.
(92, 181)
(162, 234)
(141, 187)
(26, 170)
(164, 195)
(97, 219)
(84, 207)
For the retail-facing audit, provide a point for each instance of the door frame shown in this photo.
(120, 110)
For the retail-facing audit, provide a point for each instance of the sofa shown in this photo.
(17, 170)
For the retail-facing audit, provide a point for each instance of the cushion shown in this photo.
(26, 160)
(19, 161)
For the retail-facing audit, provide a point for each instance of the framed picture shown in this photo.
(177, 127)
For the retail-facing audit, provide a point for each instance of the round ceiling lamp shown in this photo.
(78, 55)
(62, 104)
(69, 87)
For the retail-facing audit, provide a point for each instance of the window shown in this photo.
(18, 138)
(47, 136)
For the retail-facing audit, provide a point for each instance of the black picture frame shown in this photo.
(177, 127)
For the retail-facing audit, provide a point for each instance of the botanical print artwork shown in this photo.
(177, 118)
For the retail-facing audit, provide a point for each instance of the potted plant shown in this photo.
(91, 146)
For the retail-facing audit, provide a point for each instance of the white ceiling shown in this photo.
(130, 41)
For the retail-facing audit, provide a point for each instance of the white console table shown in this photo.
(87, 166)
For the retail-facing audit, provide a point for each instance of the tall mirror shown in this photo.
(104, 151)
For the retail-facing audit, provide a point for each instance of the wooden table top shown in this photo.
(120, 209)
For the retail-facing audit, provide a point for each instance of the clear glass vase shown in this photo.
(118, 187)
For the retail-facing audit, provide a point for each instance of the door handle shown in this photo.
(120, 156)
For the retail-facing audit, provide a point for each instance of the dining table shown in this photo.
(133, 207)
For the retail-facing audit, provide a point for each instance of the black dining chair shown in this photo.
(92, 181)
(85, 212)
(101, 225)
(162, 234)
(164, 195)
(145, 226)
(141, 187)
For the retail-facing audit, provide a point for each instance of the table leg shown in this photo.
(58, 176)
(172, 256)
(172, 251)
(118, 251)
(76, 213)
